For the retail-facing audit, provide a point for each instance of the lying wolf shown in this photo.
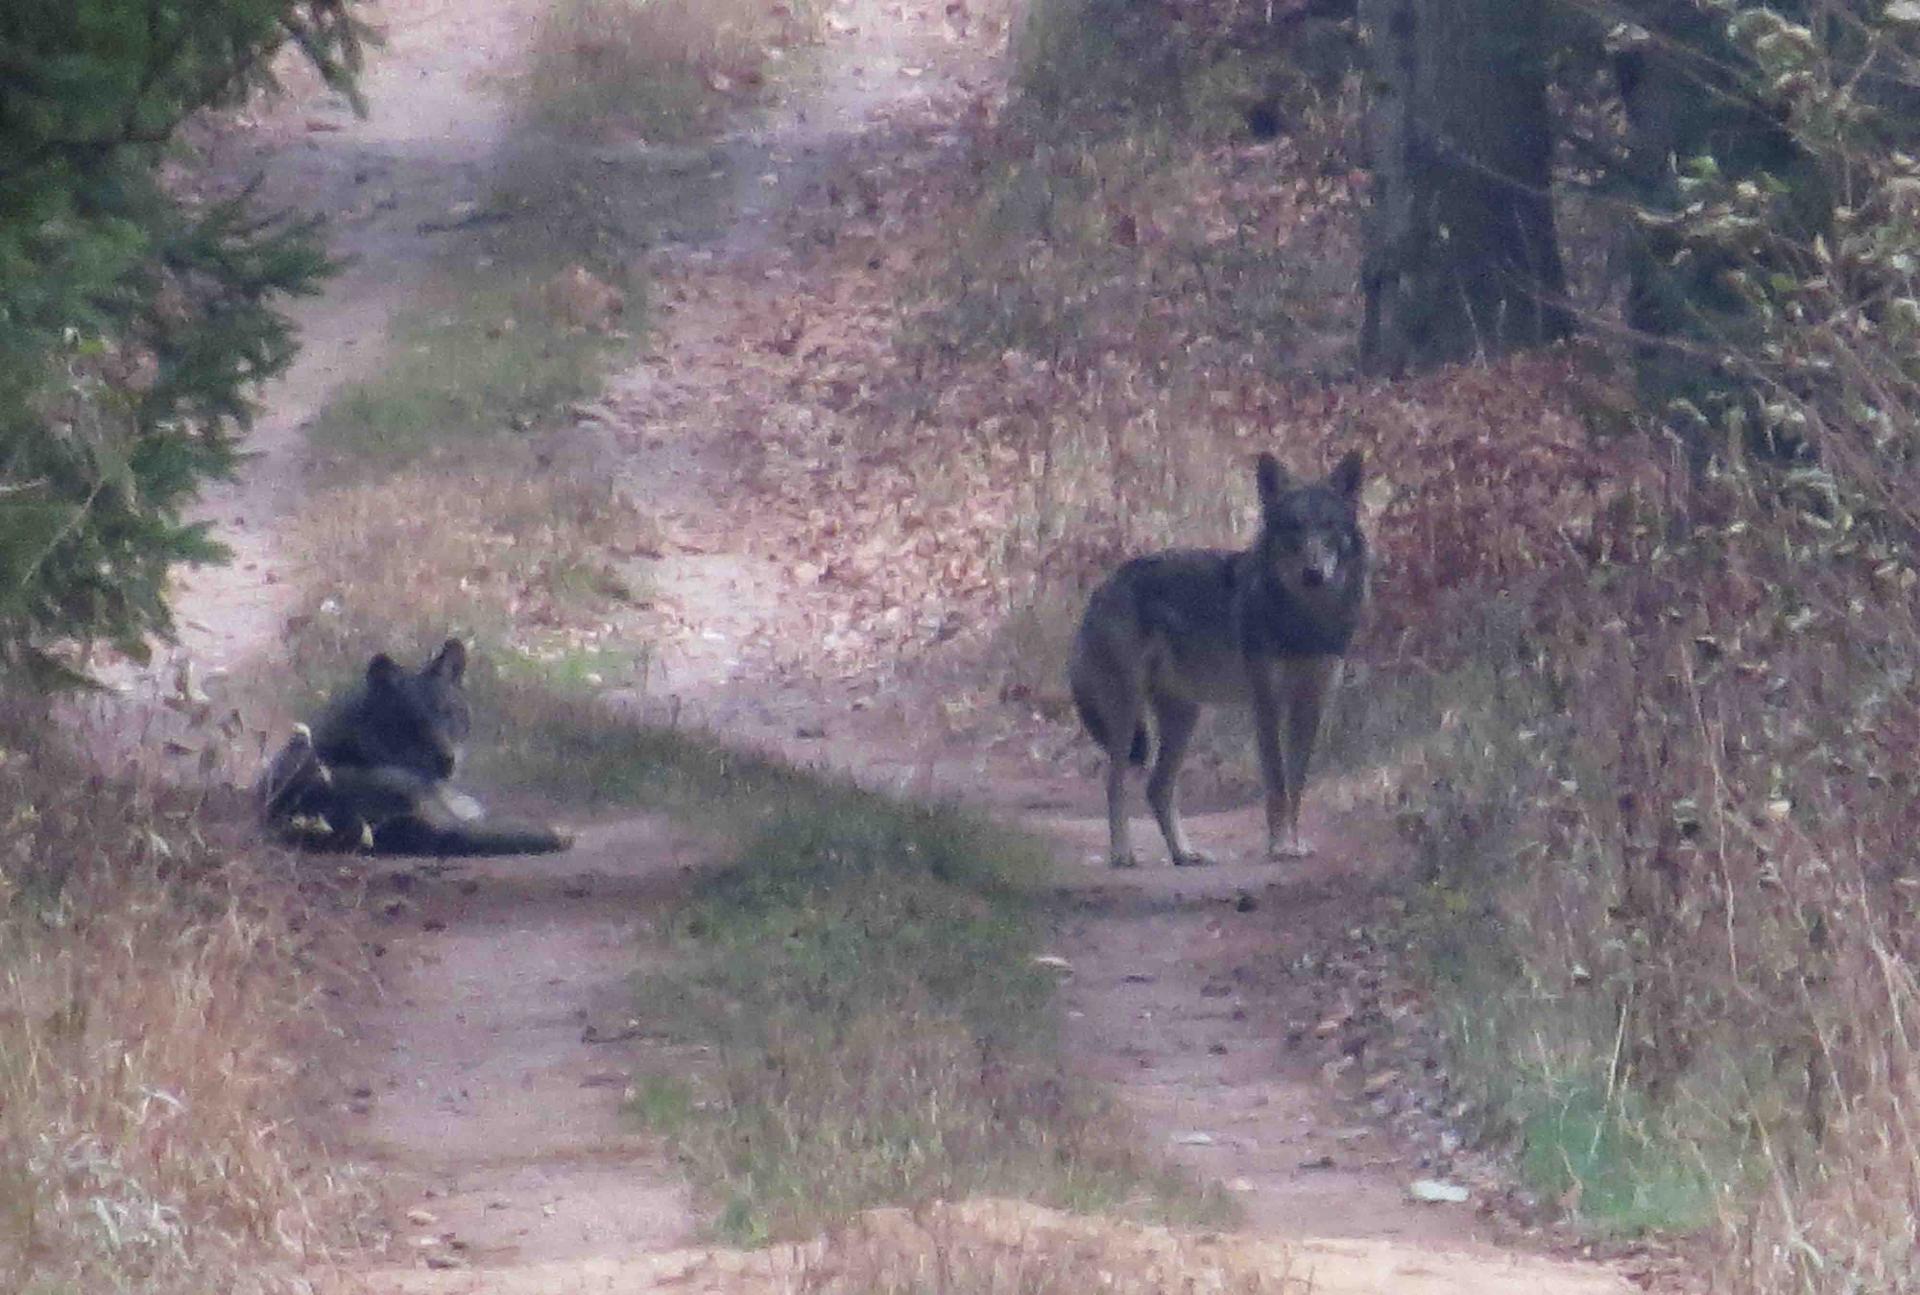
(371, 773)
(1266, 627)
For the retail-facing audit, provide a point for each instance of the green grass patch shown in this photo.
(1629, 1183)
(576, 669)
(488, 361)
(567, 746)
(662, 1102)
(862, 976)
(1543, 1068)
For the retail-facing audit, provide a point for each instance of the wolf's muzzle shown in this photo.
(1322, 566)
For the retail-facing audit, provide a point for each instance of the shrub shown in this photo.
(133, 321)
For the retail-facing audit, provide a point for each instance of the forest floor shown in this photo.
(481, 1079)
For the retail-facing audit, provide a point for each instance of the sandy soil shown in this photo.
(483, 1074)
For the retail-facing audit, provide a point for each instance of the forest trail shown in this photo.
(481, 1080)
(387, 186)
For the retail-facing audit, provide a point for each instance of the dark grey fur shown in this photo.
(1265, 627)
(371, 773)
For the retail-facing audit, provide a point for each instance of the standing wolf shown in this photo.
(1266, 628)
(371, 773)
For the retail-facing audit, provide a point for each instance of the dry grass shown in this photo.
(1002, 1247)
(523, 551)
(666, 70)
(153, 999)
(1008, 1247)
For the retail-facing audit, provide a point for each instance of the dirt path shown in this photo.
(483, 1077)
(425, 151)
(484, 1085)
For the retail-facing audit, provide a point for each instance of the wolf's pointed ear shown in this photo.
(1345, 477)
(383, 671)
(451, 663)
(1272, 480)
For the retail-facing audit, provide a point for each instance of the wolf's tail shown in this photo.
(1142, 741)
(491, 837)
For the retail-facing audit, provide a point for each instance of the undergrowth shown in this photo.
(1680, 831)
(152, 994)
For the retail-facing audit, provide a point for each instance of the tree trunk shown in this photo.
(1462, 258)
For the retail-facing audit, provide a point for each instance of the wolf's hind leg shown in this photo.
(1175, 718)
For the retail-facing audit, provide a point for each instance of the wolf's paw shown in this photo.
(1194, 859)
(1123, 861)
(1298, 848)
(463, 807)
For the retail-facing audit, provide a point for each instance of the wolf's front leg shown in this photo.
(1175, 719)
(1306, 684)
(1267, 719)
